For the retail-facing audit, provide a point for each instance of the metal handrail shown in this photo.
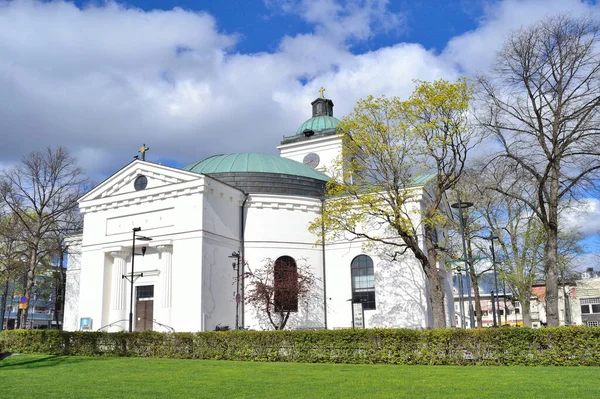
(171, 329)
(112, 324)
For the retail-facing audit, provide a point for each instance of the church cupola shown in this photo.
(322, 106)
(322, 123)
(317, 142)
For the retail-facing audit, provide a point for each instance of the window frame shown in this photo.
(364, 295)
(281, 264)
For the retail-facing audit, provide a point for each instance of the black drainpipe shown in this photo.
(242, 255)
(324, 269)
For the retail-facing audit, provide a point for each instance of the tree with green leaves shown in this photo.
(400, 158)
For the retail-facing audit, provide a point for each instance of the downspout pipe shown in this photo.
(243, 256)
(324, 268)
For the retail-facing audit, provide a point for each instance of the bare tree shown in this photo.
(278, 289)
(41, 192)
(71, 223)
(541, 102)
(520, 235)
(12, 258)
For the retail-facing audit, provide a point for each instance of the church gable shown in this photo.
(139, 176)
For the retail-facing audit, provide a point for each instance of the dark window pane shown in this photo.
(363, 281)
(145, 291)
(596, 308)
(585, 309)
(286, 284)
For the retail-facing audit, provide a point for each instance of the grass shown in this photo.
(35, 376)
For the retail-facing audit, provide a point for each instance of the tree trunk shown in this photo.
(526, 310)
(436, 291)
(19, 321)
(551, 261)
(59, 304)
(436, 297)
(552, 317)
(3, 304)
(30, 281)
(477, 297)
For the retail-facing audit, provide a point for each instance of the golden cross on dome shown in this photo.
(143, 150)
(322, 91)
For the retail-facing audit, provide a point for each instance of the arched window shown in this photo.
(286, 284)
(363, 281)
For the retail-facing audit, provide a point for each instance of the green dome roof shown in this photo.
(261, 163)
(317, 123)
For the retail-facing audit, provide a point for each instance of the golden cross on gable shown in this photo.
(143, 150)
(322, 91)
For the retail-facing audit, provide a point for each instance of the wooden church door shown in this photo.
(144, 308)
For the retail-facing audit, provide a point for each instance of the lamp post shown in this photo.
(492, 238)
(461, 298)
(460, 206)
(131, 277)
(236, 266)
(505, 305)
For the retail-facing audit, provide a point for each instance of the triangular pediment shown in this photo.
(124, 180)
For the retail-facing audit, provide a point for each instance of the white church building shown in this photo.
(204, 218)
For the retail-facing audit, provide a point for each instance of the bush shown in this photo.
(559, 346)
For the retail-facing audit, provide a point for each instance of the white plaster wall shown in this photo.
(186, 314)
(71, 316)
(166, 218)
(277, 226)
(92, 289)
(221, 237)
(221, 210)
(399, 290)
(278, 219)
(310, 313)
(218, 282)
(328, 149)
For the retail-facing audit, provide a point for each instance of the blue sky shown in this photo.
(196, 78)
(261, 24)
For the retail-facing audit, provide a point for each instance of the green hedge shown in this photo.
(561, 346)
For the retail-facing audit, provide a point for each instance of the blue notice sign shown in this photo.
(85, 323)
(23, 299)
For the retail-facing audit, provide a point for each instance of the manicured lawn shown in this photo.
(39, 376)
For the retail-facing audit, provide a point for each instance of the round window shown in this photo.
(140, 183)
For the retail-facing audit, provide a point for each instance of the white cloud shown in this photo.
(584, 217)
(344, 19)
(474, 51)
(104, 79)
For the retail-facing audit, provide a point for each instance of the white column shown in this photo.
(118, 301)
(166, 253)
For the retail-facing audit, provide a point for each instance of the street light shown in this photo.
(132, 277)
(492, 237)
(460, 206)
(236, 266)
(461, 298)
